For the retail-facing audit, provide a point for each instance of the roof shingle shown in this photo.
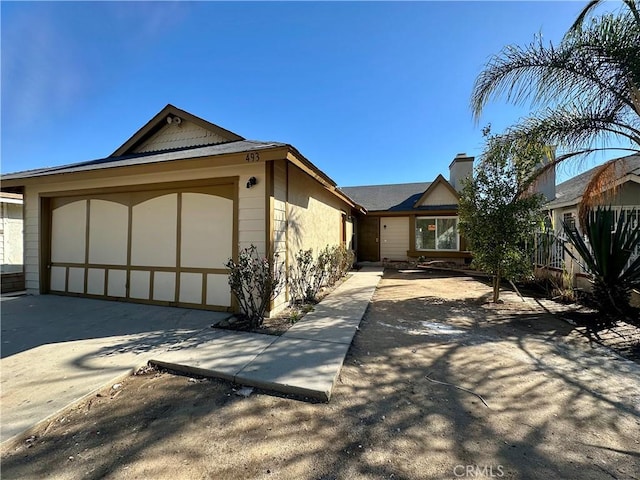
(396, 197)
(572, 189)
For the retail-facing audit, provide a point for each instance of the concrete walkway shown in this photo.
(305, 360)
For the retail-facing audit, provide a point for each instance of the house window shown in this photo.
(569, 220)
(437, 233)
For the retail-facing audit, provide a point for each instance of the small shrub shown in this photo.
(340, 262)
(299, 275)
(255, 281)
(307, 275)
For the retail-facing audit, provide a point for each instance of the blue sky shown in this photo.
(369, 92)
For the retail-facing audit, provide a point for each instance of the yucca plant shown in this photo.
(608, 258)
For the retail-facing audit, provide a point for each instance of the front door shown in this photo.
(369, 239)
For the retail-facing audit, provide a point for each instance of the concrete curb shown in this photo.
(307, 359)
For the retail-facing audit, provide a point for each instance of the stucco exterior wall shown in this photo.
(314, 214)
(11, 248)
(394, 238)
(251, 204)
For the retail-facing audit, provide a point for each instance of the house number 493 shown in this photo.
(253, 157)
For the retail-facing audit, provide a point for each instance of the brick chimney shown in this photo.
(460, 168)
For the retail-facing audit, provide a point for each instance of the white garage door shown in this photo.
(166, 247)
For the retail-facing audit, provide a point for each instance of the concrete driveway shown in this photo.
(56, 350)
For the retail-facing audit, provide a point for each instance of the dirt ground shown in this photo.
(558, 406)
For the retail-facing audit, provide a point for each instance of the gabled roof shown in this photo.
(570, 192)
(400, 197)
(386, 197)
(147, 158)
(440, 180)
(129, 154)
(159, 121)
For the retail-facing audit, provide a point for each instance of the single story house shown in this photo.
(568, 195)
(11, 244)
(564, 206)
(156, 221)
(412, 220)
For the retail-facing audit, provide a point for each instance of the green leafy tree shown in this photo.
(496, 217)
(607, 254)
(584, 91)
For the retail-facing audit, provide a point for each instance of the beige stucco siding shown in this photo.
(394, 238)
(251, 204)
(314, 214)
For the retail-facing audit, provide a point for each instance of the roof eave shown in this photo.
(299, 160)
(21, 181)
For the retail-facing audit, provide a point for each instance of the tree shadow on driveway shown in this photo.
(30, 321)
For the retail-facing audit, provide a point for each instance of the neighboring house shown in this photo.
(11, 242)
(156, 221)
(412, 220)
(625, 197)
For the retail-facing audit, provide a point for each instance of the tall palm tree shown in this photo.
(586, 89)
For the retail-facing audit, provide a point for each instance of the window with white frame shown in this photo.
(437, 233)
(569, 220)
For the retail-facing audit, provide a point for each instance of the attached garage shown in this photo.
(157, 220)
(156, 245)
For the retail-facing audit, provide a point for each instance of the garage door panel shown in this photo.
(108, 232)
(206, 231)
(218, 292)
(95, 281)
(164, 246)
(58, 279)
(191, 288)
(117, 283)
(76, 280)
(164, 286)
(139, 284)
(68, 232)
(154, 232)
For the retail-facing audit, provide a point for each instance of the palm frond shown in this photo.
(576, 128)
(632, 5)
(601, 187)
(583, 15)
(596, 65)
